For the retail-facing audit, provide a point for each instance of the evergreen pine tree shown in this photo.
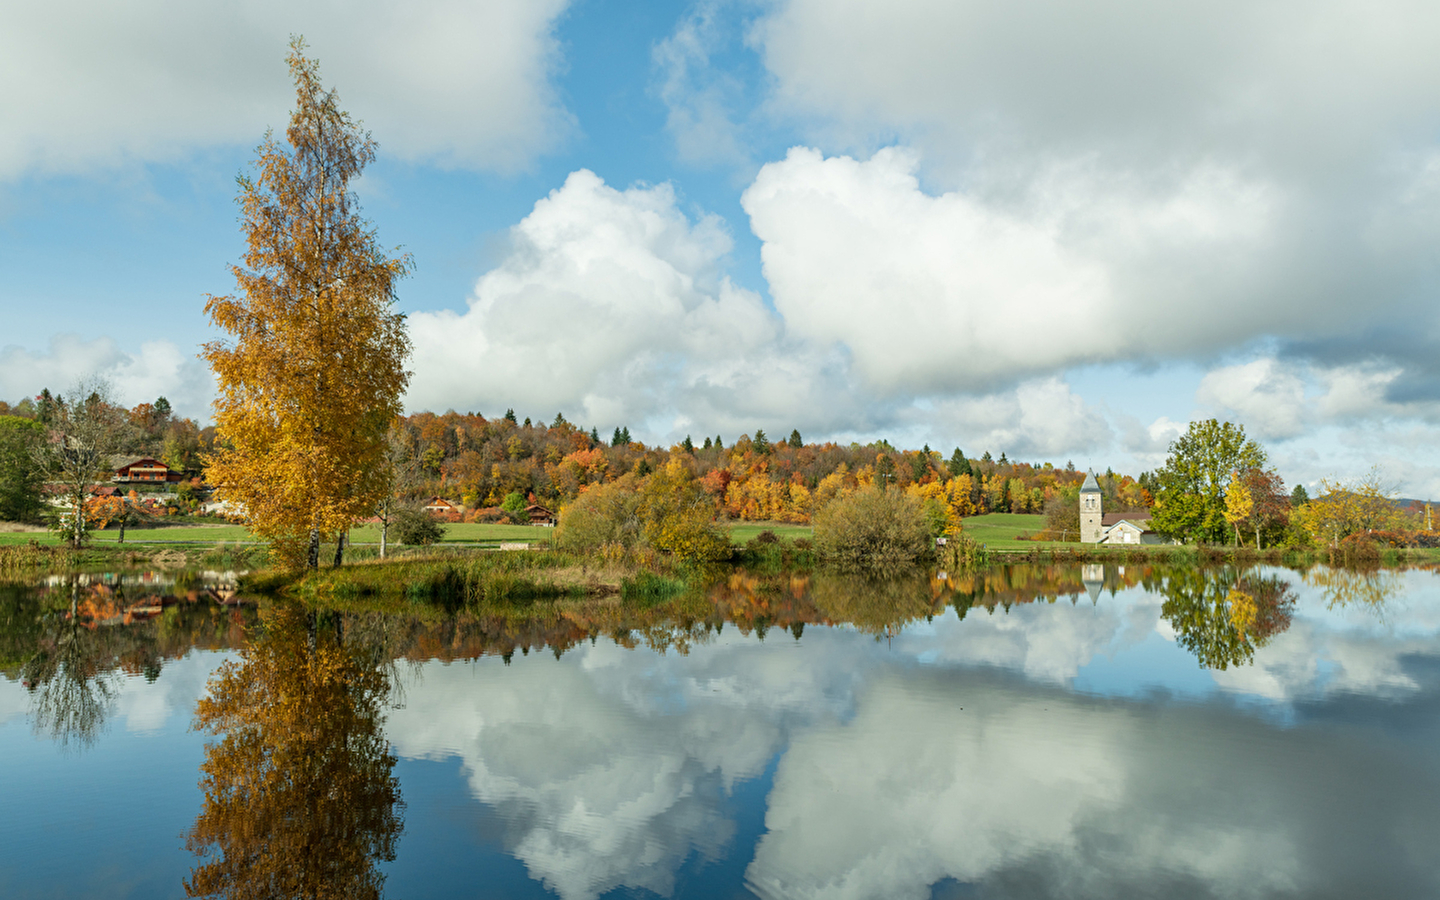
(707, 444)
(510, 416)
(616, 438)
(45, 407)
(761, 443)
(959, 465)
(795, 440)
(594, 435)
(689, 445)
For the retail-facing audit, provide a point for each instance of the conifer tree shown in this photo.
(312, 373)
(958, 464)
(795, 440)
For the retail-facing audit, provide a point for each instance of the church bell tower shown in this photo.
(1090, 510)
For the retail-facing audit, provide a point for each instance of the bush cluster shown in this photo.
(417, 527)
(874, 528)
(667, 512)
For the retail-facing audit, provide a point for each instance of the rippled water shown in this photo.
(1028, 732)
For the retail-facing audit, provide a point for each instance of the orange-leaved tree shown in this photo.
(314, 370)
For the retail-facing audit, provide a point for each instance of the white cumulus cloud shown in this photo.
(953, 291)
(611, 305)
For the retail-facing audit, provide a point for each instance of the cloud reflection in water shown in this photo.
(961, 750)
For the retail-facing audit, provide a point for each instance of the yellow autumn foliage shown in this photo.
(312, 373)
(679, 516)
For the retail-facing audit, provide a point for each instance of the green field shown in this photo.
(215, 534)
(468, 533)
(998, 531)
(457, 533)
(742, 532)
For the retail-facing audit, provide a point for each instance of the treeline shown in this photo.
(479, 463)
(149, 429)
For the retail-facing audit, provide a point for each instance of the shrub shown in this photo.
(409, 525)
(668, 511)
(873, 528)
(605, 514)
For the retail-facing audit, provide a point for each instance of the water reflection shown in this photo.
(1222, 616)
(70, 676)
(1365, 588)
(943, 757)
(301, 799)
(71, 639)
(1021, 731)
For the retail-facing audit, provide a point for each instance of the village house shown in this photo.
(143, 470)
(539, 515)
(441, 508)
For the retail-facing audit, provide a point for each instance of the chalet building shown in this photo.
(441, 508)
(539, 515)
(144, 470)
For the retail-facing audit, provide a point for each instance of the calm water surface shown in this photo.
(1027, 732)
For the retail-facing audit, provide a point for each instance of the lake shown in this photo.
(1025, 731)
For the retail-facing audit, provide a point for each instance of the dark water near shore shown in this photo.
(1031, 731)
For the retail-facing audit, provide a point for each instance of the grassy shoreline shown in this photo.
(473, 572)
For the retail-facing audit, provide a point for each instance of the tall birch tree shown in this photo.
(314, 367)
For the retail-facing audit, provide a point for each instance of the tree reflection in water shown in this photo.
(1223, 615)
(71, 675)
(300, 795)
(877, 605)
(1365, 588)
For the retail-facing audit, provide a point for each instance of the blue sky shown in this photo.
(1026, 227)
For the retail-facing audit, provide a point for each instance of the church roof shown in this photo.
(1091, 486)
(1139, 519)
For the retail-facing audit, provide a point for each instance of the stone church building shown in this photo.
(1116, 528)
